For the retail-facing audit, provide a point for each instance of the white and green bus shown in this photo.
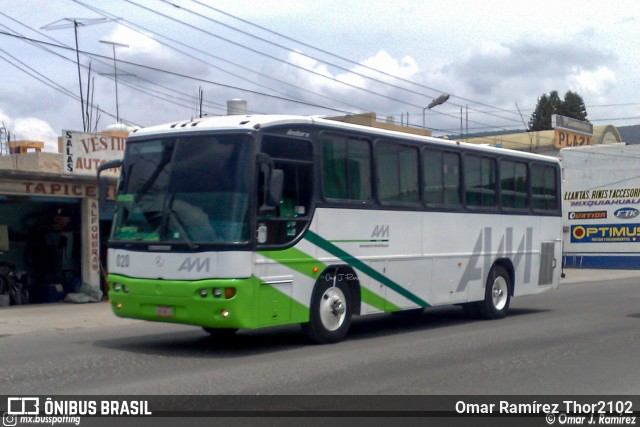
(245, 222)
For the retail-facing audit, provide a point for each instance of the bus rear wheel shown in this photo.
(330, 312)
(220, 333)
(497, 294)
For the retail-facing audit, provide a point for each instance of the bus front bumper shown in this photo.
(214, 303)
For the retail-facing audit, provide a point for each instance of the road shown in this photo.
(583, 338)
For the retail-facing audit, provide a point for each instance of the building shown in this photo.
(546, 141)
(51, 227)
(601, 206)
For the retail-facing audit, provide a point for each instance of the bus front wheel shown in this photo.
(330, 312)
(220, 333)
(497, 294)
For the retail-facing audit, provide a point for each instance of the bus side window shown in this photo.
(441, 178)
(480, 181)
(346, 168)
(513, 185)
(397, 173)
(544, 188)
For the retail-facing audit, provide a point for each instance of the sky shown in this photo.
(322, 57)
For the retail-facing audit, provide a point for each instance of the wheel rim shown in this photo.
(500, 293)
(333, 309)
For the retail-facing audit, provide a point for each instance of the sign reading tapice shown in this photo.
(84, 152)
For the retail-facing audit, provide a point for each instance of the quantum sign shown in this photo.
(588, 215)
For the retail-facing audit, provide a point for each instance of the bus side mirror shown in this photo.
(276, 187)
(102, 184)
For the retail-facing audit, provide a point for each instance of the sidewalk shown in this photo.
(23, 319)
(40, 318)
(584, 275)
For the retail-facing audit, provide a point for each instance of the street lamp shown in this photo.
(438, 101)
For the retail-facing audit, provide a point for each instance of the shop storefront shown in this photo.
(51, 226)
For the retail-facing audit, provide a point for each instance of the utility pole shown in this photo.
(115, 72)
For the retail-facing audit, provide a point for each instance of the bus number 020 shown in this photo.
(122, 261)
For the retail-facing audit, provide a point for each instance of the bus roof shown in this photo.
(263, 121)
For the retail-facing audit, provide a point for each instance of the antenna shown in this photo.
(200, 99)
(75, 23)
(115, 72)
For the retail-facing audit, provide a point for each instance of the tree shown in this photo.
(572, 106)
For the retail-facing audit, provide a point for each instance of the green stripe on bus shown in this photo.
(296, 260)
(359, 241)
(376, 300)
(356, 263)
(303, 263)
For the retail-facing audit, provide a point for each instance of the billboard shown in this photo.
(601, 206)
(84, 152)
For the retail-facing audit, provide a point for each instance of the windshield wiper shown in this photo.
(183, 233)
(166, 158)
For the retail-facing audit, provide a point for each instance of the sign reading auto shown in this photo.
(84, 152)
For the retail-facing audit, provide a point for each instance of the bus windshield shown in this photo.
(192, 190)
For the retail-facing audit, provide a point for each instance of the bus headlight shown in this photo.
(217, 292)
(117, 287)
(204, 293)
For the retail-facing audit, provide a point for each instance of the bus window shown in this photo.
(441, 178)
(513, 185)
(544, 188)
(479, 181)
(397, 173)
(346, 168)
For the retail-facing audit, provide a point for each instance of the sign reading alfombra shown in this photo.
(84, 152)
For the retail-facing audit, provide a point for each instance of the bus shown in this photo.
(247, 222)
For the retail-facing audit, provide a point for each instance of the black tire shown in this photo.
(220, 333)
(330, 311)
(497, 295)
(471, 310)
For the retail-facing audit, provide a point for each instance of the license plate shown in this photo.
(164, 311)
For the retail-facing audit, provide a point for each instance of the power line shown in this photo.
(17, 34)
(134, 27)
(176, 74)
(137, 88)
(286, 62)
(350, 61)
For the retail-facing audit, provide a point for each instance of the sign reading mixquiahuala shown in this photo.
(84, 152)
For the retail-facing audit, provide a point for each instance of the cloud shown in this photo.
(31, 128)
(145, 49)
(353, 89)
(597, 82)
(535, 65)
